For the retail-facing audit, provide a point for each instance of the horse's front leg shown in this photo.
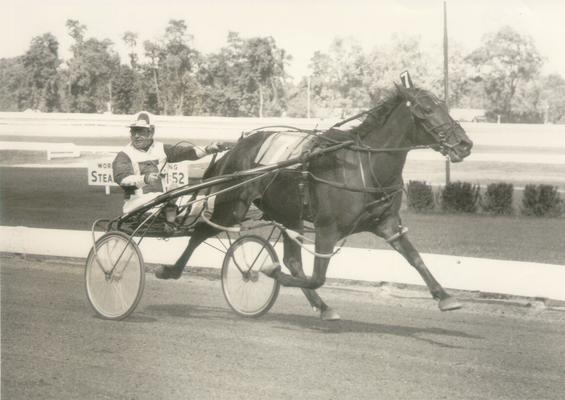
(391, 231)
(293, 261)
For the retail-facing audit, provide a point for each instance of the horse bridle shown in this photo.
(437, 132)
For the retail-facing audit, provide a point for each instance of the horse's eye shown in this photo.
(421, 110)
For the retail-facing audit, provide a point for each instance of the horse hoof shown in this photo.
(271, 270)
(329, 314)
(163, 272)
(449, 304)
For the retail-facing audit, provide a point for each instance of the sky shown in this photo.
(301, 27)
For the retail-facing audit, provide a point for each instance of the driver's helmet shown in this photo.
(142, 120)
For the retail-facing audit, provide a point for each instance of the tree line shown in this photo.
(248, 77)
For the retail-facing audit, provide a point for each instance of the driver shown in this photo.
(137, 168)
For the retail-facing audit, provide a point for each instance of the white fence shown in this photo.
(221, 128)
(465, 273)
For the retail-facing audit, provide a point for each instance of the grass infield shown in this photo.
(60, 198)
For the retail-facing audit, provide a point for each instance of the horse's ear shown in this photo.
(406, 80)
(405, 93)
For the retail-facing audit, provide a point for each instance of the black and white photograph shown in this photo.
(282, 199)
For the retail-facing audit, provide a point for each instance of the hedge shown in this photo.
(420, 196)
(460, 197)
(537, 200)
(498, 199)
(541, 201)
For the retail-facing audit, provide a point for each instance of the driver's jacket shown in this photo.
(131, 165)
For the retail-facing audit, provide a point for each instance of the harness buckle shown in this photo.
(403, 231)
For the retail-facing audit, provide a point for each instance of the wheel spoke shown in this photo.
(117, 295)
(245, 295)
(117, 287)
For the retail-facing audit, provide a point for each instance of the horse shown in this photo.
(357, 188)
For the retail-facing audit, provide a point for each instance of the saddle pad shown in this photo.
(282, 146)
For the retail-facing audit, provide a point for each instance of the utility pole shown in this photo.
(446, 83)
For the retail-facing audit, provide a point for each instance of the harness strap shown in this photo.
(361, 165)
(298, 238)
(234, 229)
(403, 231)
(368, 149)
(356, 116)
(355, 188)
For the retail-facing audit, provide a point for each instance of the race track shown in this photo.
(184, 342)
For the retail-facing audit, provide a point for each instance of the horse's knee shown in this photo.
(294, 265)
(288, 260)
(317, 282)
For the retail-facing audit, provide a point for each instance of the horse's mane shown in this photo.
(377, 116)
(373, 118)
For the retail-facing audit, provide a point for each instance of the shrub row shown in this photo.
(537, 200)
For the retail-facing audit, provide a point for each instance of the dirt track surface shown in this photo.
(183, 341)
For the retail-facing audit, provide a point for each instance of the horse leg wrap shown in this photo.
(397, 235)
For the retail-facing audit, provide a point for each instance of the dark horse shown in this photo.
(357, 188)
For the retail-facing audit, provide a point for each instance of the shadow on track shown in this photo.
(300, 322)
(295, 322)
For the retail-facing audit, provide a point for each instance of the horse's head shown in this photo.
(434, 125)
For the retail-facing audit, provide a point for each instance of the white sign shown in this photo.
(176, 174)
(100, 174)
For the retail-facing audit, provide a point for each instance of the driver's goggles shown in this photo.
(140, 132)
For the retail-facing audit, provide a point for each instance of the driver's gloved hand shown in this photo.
(213, 147)
(151, 178)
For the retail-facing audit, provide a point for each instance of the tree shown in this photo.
(505, 61)
(40, 63)
(297, 104)
(265, 70)
(172, 68)
(178, 62)
(76, 31)
(552, 98)
(150, 74)
(91, 70)
(31, 80)
(14, 95)
(337, 81)
(404, 53)
(124, 91)
(245, 78)
(130, 39)
(220, 76)
(464, 91)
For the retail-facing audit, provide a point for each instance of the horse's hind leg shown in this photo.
(199, 235)
(226, 213)
(326, 238)
(391, 231)
(293, 261)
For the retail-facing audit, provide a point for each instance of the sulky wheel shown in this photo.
(249, 292)
(115, 276)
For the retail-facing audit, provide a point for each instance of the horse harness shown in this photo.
(388, 193)
(370, 208)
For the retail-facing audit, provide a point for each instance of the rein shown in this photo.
(358, 146)
(359, 189)
(368, 149)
